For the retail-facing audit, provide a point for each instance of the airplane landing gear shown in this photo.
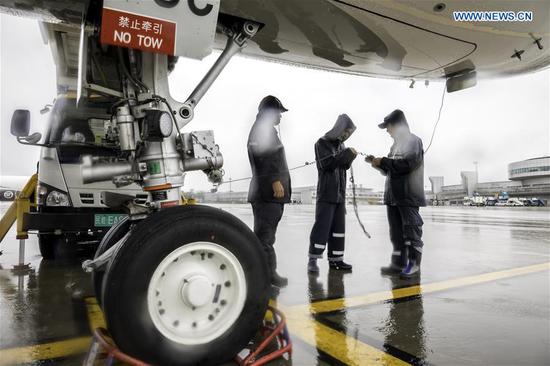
(178, 285)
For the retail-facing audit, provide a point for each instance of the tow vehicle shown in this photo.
(69, 212)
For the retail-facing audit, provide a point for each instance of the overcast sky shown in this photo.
(495, 123)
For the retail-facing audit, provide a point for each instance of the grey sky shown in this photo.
(495, 123)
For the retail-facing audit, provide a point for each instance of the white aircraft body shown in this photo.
(389, 39)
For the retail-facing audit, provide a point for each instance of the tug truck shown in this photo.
(68, 212)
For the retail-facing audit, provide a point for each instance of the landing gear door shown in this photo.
(173, 27)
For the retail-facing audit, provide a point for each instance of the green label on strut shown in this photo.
(153, 167)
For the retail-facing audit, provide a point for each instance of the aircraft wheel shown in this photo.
(46, 243)
(188, 287)
(60, 247)
(115, 233)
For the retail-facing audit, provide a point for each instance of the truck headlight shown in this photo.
(56, 198)
(41, 194)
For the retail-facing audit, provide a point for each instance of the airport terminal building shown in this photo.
(527, 178)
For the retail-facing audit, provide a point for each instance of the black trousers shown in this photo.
(329, 228)
(405, 234)
(266, 219)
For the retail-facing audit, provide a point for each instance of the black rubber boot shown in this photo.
(278, 280)
(418, 257)
(340, 266)
(398, 263)
(312, 266)
(391, 270)
(413, 268)
(411, 271)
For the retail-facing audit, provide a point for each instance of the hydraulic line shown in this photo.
(438, 118)
(354, 202)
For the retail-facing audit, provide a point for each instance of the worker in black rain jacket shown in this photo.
(404, 195)
(270, 185)
(333, 160)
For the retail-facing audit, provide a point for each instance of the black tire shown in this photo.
(115, 233)
(46, 244)
(56, 247)
(128, 277)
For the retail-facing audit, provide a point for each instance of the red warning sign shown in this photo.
(119, 28)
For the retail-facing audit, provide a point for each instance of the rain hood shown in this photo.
(342, 123)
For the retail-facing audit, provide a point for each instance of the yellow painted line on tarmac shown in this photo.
(46, 351)
(354, 352)
(95, 314)
(342, 347)
(338, 345)
(377, 297)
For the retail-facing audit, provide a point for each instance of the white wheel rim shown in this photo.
(196, 293)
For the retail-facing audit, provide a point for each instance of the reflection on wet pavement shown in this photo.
(483, 298)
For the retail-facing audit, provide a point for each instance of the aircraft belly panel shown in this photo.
(396, 39)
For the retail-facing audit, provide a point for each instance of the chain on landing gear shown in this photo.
(273, 342)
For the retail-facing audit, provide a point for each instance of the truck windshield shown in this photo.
(85, 130)
(86, 125)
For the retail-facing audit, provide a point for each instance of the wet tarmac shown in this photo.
(483, 299)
